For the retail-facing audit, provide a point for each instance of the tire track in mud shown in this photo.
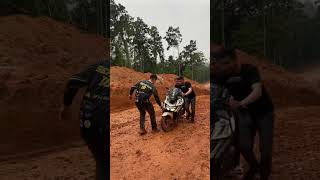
(180, 154)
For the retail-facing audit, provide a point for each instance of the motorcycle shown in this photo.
(173, 109)
(222, 137)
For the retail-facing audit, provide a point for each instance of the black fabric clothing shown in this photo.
(248, 126)
(144, 90)
(191, 102)
(143, 107)
(185, 88)
(249, 75)
(95, 78)
(94, 111)
(95, 138)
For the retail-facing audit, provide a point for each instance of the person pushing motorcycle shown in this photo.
(254, 108)
(143, 91)
(189, 96)
(94, 111)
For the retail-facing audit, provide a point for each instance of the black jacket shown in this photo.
(96, 78)
(144, 90)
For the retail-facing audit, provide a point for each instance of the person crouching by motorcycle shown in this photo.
(189, 96)
(144, 90)
(94, 111)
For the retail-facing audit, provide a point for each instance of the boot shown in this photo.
(155, 130)
(192, 118)
(142, 131)
(188, 116)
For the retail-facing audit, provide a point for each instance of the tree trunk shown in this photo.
(49, 8)
(37, 7)
(125, 44)
(179, 63)
(264, 32)
(192, 71)
(222, 24)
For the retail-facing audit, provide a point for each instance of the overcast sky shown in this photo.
(192, 16)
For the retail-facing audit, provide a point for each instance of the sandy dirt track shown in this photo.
(69, 164)
(180, 154)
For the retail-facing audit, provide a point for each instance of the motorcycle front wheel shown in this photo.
(167, 123)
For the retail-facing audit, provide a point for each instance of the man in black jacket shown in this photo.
(254, 107)
(144, 90)
(94, 111)
(189, 96)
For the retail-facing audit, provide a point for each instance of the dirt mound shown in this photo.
(286, 88)
(37, 56)
(123, 78)
(311, 74)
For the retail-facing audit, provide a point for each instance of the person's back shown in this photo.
(94, 110)
(144, 90)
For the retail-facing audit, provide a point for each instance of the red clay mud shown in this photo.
(37, 56)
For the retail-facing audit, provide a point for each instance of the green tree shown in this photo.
(174, 38)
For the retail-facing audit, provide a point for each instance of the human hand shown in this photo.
(234, 104)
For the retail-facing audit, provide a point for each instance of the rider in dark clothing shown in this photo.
(189, 96)
(254, 107)
(94, 111)
(144, 90)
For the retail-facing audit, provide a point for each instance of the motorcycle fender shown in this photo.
(167, 114)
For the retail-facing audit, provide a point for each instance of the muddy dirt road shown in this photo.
(296, 152)
(180, 154)
(69, 164)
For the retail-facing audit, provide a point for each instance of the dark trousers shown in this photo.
(191, 101)
(143, 108)
(236, 141)
(97, 147)
(95, 135)
(248, 126)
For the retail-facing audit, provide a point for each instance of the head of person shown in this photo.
(153, 78)
(179, 80)
(224, 62)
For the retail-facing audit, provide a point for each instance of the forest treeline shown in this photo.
(89, 15)
(137, 45)
(286, 32)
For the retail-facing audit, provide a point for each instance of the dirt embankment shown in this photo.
(287, 89)
(37, 56)
(123, 78)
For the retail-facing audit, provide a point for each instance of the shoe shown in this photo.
(155, 130)
(142, 131)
